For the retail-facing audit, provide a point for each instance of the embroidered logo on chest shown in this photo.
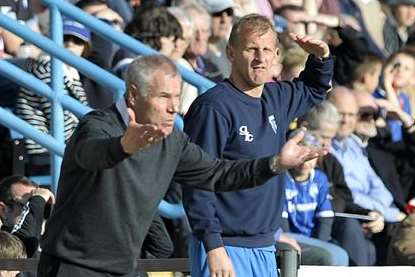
(243, 131)
(273, 122)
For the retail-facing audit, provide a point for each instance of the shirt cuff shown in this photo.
(212, 241)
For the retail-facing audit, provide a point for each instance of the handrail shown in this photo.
(86, 67)
(124, 40)
(23, 78)
(9, 120)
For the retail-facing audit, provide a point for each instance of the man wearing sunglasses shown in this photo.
(222, 18)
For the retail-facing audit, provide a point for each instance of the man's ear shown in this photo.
(229, 53)
(131, 95)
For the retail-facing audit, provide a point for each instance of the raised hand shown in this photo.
(46, 194)
(220, 265)
(317, 47)
(139, 136)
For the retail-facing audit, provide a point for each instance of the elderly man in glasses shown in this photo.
(372, 187)
(349, 147)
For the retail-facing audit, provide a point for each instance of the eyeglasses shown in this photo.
(344, 114)
(228, 11)
(368, 114)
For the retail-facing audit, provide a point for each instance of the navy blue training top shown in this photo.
(230, 124)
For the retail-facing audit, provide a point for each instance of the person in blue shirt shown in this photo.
(349, 147)
(308, 212)
(240, 118)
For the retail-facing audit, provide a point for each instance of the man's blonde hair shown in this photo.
(255, 23)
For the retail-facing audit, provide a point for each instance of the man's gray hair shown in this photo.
(141, 70)
(324, 112)
(195, 9)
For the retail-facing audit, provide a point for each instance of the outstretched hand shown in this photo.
(317, 47)
(139, 136)
(293, 153)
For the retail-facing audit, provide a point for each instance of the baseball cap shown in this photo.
(214, 6)
(76, 29)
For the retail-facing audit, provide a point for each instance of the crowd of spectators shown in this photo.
(366, 126)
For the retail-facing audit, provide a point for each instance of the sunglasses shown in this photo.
(228, 11)
(368, 114)
(73, 39)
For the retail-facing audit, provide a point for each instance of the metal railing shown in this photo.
(55, 92)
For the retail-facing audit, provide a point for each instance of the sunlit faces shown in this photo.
(161, 104)
(181, 44)
(404, 71)
(325, 133)
(222, 23)
(167, 45)
(347, 107)
(404, 15)
(199, 43)
(365, 125)
(252, 58)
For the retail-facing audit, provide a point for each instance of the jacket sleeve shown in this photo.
(29, 226)
(309, 89)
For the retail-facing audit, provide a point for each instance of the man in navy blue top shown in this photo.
(242, 118)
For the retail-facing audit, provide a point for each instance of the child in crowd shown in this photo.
(10, 248)
(398, 74)
(308, 212)
(365, 76)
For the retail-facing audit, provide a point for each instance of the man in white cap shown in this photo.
(222, 17)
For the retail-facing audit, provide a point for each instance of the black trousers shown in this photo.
(50, 266)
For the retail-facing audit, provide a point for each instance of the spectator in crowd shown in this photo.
(293, 63)
(194, 56)
(189, 92)
(356, 128)
(399, 24)
(221, 12)
(308, 212)
(23, 206)
(112, 154)
(365, 76)
(22, 11)
(323, 120)
(153, 26)
(10, 248)
(36, 109)
(243, 117)
(402, 245)
(102, 50)
(397, 76)
(199, 45)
